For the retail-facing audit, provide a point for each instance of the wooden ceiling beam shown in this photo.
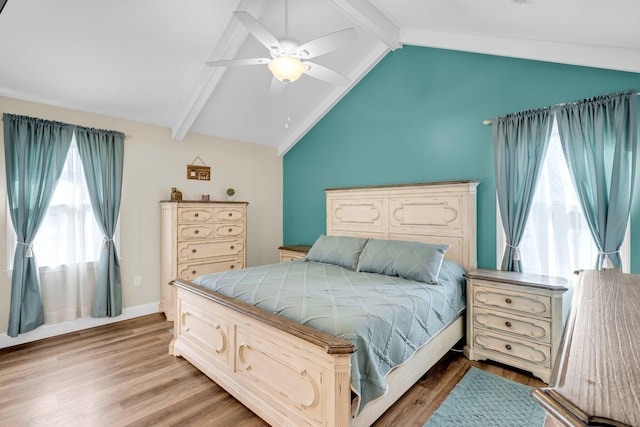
(371, 19)
(209, 78)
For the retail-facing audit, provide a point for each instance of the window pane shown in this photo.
(69, 233)
(557, 240)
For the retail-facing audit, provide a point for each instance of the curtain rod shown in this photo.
(126, 135)
(488, 121)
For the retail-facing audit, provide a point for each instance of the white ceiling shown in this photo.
(143, 60)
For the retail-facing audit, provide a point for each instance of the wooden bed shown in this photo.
(291, 374)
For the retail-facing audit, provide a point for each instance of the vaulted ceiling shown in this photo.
(144, 60)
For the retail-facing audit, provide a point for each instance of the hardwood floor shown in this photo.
(122, 375)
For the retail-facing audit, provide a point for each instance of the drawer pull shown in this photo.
(508, 346)
(230, 230)
(193, 272)
(508, 300)
(233, 266)
(193, 251)
(232, 246)
(508, 324)
(196, 215)
(196, 232)
(230, 214)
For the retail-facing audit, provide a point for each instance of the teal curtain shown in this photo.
(102, 155)
(520, 143)
(599, 140)
(35, 152)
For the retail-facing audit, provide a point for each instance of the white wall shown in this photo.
(153, 163)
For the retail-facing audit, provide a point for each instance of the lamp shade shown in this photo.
(286, 68)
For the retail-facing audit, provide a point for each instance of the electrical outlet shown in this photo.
(137, 281)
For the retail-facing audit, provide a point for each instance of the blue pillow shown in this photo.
(411, 260)
(338, 250)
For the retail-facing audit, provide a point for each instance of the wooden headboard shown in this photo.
(437, 212)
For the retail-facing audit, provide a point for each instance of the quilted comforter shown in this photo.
(387, 318)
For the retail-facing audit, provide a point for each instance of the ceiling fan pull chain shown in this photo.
(286, 18)
(288, 122)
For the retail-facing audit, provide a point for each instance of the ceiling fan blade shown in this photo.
(327, 43)
(259, 32)
(277, 87)
(236, 62)
(324, 73)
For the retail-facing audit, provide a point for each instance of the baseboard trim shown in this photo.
(48, 331)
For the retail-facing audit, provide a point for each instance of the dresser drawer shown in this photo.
(502, 345)
(229, 230)
(198, 250)
(522, 303)
(523, 327)
(195, 214)
(194, 231)
(189, 271)
(228, 214)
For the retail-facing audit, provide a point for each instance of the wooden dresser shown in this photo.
(200, 238)
(597, 377)
(515, 319)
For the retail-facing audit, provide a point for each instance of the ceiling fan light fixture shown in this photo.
(286, 68)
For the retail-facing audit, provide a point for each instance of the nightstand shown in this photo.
(515, 319)
(293, 252)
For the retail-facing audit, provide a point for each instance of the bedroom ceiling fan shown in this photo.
(289, 59)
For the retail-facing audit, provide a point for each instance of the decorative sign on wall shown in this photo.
(199, 172)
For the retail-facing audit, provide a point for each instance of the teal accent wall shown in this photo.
(417, 117)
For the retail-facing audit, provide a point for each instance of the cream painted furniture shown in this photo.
(515, 319)
(596, 380)
(293, 252)
(200, 238)
(292, 375)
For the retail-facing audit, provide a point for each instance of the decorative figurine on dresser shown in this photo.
(515, 319)
(200, 237)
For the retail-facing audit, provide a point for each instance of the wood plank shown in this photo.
(597, 377)
(121, 375)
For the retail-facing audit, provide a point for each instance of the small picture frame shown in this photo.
(201, 173)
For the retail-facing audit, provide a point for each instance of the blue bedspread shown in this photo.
(387, 318)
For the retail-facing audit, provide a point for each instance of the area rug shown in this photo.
(484, 399)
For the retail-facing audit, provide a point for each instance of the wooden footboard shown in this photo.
(287, 373)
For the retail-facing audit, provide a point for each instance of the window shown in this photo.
(67, 246)
(556, 240)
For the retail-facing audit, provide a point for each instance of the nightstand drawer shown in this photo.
(523, 303)
(502, 345)
(523, 327)
(290, 256)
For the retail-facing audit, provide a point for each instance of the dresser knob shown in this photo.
(196, 215)
(193, 251)
(197, 231)
(193, 272)
(232, 247)
(506, 323)
(230, 230)
(508, 346)
(230, 214)
(233, 266)
(508, 300)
